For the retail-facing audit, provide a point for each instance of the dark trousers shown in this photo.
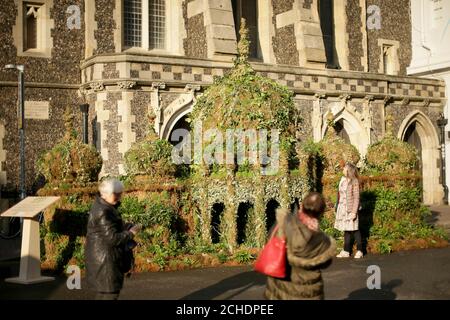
(349, 236)
(107, 295)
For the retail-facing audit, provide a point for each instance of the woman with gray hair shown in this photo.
(107, 240)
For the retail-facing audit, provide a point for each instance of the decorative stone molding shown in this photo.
(392, 47)
(387, 100)
(192, 88)
(320, 96)
(405, 102)
(158, 85)
(345, 97)
(369, 98)
(126, 84)
(366, 117)
(97, 86)
(317, 116)
(425, 103)
(155, 105)
(45, 25)
(177, 109)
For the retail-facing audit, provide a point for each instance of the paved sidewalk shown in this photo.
(418, 274)
(440, 216)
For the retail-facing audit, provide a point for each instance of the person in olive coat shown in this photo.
(309, 250)
(106, 241)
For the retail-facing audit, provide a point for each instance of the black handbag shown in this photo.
(128, 256)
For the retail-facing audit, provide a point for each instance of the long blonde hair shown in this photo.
(352, 172)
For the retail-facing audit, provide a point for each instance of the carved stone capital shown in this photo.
(320, 96)
(369, 98)
(405, 102)
(97, 86)
(158, 85)
(192, 87)
(126, 84)
(345, 97)
(426, 103)
(387, 100)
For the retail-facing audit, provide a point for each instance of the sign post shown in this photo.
(30, 259)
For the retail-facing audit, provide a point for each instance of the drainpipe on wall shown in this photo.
(442, 122)
(84, 108)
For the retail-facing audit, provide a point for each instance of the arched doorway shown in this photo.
(216, 216)
(183, 126)
(271, 208)
(350, 129)
(413, 138)
(418, 130)
(341, 132)
(245, 210)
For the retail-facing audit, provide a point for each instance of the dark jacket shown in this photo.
(105, 244)
(307, 252)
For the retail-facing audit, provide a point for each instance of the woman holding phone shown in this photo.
(108, 242)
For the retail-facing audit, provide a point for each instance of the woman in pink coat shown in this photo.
(347, 211)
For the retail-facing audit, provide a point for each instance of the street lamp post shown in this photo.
(21, 125)
(442, 122)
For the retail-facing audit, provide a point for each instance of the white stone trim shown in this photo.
(266, 31)
(357, 130)
(102, 118)
(365, 57)
(118, 31)
(45, 25)
(433, 192)
(341, 35)
(395, 45)
(308, 33)
(124, 126)
(175, 111)
(91, 26)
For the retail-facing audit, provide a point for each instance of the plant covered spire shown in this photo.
(69, 124)
(243, 46)
(389, 125)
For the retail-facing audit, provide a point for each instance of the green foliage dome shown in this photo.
(245, 100)
(70, 161)
(392, 156)
(150, 157)
(336, 151)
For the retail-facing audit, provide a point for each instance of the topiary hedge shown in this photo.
(70, 161)
(151, 157)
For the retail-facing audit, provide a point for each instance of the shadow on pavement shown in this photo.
(39, 291)
(240, 282)
(385, 293)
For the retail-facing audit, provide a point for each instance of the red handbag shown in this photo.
(272, 259)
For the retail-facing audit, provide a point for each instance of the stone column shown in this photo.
(155, 103)
(317, 116)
